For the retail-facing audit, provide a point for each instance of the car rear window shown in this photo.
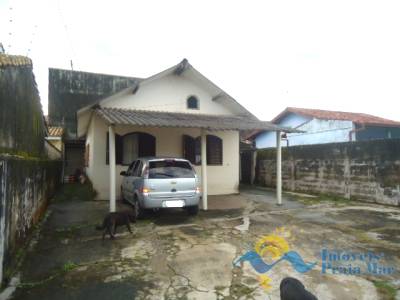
(170, 169)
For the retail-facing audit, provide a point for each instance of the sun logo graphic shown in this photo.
(274, 248)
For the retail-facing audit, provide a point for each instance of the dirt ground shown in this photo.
(174, 256)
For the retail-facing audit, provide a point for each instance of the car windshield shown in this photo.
(170, 169)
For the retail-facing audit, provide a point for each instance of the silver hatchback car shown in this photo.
(155, 182)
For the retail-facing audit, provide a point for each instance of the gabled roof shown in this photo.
(184, 67)
(358, 118)
(174, 119)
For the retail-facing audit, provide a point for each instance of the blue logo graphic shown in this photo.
(261, 267)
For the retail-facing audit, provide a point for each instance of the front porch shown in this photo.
(114, 136)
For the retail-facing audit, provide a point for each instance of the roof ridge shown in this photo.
(356, 117)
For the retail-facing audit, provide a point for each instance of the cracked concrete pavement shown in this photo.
(174, 256)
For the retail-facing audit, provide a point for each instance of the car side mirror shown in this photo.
(123, 173)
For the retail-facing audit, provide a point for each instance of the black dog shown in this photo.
(113, 220)
(293, 289)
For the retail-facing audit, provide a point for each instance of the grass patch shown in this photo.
(240, 290)
(322, 198)
(386, 290)
(76, 191)
(69, 266)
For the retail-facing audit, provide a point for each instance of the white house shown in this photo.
(178, 113)
(324, 126)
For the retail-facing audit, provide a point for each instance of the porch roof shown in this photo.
(120, 116)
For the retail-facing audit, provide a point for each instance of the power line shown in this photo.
(10, 33)
(64, 24)
(31, 40)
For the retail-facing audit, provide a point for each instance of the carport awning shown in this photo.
(119, 116)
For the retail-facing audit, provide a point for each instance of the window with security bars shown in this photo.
(192, 150)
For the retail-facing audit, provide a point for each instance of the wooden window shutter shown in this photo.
(118, 149)
(214, 150)
(189, 148)
(147, 145)
(107, 149)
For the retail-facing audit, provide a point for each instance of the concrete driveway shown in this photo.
(173, 256)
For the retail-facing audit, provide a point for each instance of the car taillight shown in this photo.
(145, 191)
(198, 190)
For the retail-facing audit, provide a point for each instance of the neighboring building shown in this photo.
(68, 92)
(177, 113)
(324, 126)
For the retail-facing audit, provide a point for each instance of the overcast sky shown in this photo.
(337, 55)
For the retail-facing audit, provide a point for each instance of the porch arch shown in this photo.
(137, 144)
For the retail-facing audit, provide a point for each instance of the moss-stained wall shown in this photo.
(71, 90)
(366, 171)
(22, 127)
(26, 185)
(27, 177)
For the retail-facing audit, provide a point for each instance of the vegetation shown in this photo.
(386, 290)
(69, 266)
(76, 191)
(323, 198)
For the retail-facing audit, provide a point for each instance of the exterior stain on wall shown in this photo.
(25, 188)
(366, 171)
(27, 178)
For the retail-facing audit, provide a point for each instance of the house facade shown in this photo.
(322, 126)
(175, 113)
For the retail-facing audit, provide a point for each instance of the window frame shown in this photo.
(119, 146)
(220, 142)
(196, 144)
(197, 102)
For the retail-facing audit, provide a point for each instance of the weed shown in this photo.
(323, 198)
(69, 266)
(387, 291)
(72, 191)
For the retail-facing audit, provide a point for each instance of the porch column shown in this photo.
(278, 168)
(111, 160)
(204, 168)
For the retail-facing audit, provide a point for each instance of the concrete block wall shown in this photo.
(25, 188)
(367, 171)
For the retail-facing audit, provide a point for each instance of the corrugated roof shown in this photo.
(55, 131)
(359, 118)
(175, 119)
(14, 60)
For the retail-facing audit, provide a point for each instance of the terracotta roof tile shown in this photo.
(55, 131)
(359, 118)
(14, 60)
